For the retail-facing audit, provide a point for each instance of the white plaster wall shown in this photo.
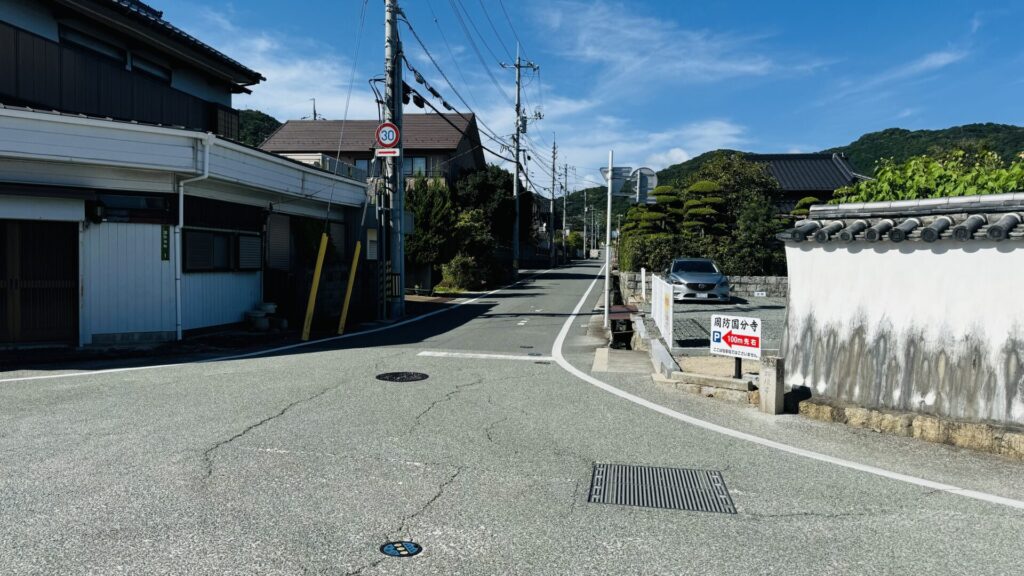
(126, 287)
(935, 328)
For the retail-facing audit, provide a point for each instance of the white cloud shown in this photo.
(296, 69)
(651, 47)
(887, 79)
(665, 159)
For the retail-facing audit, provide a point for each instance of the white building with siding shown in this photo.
(143, 271)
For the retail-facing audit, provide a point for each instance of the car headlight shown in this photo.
(723, 284)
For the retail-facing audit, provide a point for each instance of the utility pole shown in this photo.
(551, 217)
(393, 165)
(516, 137)
(565, 209)
(586, 255)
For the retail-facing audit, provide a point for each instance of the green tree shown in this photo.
(432, 242)
(803, 206)
(574, 241)
(254, 127)
(953, 173)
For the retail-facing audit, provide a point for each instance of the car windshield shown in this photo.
(697, 266)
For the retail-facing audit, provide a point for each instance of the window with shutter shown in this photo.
(250, 249)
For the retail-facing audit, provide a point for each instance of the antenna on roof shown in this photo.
(315, 115)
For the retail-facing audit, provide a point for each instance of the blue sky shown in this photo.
(657, 80)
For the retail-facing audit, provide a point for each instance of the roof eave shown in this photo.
(222, 67)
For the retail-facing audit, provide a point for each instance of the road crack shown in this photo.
(209, 452)
(400, 532)
(451, 394)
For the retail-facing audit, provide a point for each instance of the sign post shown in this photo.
(736, 336)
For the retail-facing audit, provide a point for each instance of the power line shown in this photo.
(490, 132)
(476, 50)
(451, 53)
(456, 4)
(510, 25)
(494, 29)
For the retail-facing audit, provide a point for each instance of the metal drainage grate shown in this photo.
(402, 376)
(654, 487)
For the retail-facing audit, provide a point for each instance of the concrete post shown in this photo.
(772, 384)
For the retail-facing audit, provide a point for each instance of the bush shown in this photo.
(803, 207)
(653, 251)
(705, 187)
(460, 274)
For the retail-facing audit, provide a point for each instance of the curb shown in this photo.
(989, 438)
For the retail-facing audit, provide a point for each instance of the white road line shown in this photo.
(556, 352)
(482, 356)
(280, 348)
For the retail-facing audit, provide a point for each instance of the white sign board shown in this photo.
(661, 307)
(619, 176)
(736, 336)
(646, 182)
(386, 153)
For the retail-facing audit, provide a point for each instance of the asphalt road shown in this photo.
(304, 463)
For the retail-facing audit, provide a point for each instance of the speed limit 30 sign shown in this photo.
(388, 135)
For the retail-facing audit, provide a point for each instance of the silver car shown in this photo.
(698, 279)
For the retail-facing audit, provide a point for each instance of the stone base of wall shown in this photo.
(742, 286)
(749, 286)
(629, 284)
(982, 437)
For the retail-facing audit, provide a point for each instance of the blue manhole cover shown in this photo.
(401, 549)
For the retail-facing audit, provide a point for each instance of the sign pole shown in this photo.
(737, 372)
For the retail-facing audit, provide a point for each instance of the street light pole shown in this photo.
(608, 240)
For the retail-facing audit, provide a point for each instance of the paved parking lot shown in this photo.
(693, 319)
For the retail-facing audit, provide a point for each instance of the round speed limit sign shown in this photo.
(387, 135)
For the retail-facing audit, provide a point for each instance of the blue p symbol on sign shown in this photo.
(716, 337)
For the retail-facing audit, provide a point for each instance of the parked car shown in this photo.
(698, 279)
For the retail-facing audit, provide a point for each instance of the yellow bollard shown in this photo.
(313, 289)
(348, 292)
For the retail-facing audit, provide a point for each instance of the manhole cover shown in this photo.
(534, 354)
(402, 376)
(654, 487)
(543, 363)
(526, 347)
(401, 549)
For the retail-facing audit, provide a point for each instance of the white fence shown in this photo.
(643, 284)
(661, 307)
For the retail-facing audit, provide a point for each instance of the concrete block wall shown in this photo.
(747, 286)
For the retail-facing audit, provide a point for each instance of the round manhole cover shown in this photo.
(402, 376)
(402, 549)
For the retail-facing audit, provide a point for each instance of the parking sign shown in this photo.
(736, 336)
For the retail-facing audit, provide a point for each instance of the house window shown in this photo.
(207, 251)
(363, 165)
(147, 209)
(415, 166)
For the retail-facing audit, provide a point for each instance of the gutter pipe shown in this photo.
(208, 141)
